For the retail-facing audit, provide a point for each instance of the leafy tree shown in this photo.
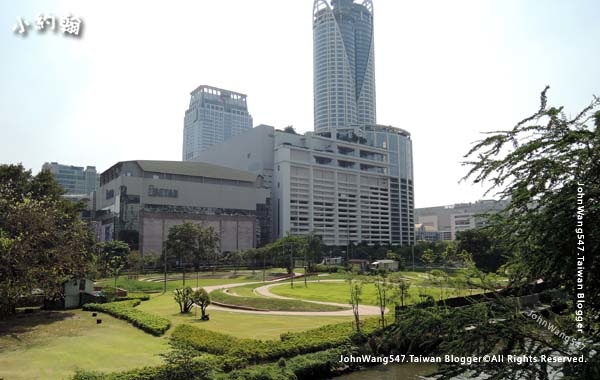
(192, 242)
(429, 257)
(547, 166)
(449, 255)
(402, 286)
(487, 251)
(286, 249)
(43, 242)
(208, 246)
(314, 249)
(184, 298)
(439, 277)
(202, 299)
(290, 129)
(385, 295)
(134, 261)
(182, 242)
(112, 258)
(236, 259)
(539, 165)
(356, 287)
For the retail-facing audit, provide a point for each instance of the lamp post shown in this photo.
(305, 270)
(292, 264)
(164, 249)
(291, 247)
(413, 255)
(264, 264)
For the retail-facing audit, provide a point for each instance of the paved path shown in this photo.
(364, 310)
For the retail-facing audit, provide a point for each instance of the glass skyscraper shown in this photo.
(75, 180)
(344, 67)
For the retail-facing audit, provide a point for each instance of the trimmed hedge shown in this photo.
(126, 310)
(146, 373)
(318, 365)
(256, 351)
(134, 296)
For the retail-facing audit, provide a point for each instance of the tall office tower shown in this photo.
(214, 116)
(74, 179)
(344, 66)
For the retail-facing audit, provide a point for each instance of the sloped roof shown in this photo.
(196, 169)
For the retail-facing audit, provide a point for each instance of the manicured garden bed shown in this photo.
(126, 310)
(265, 303)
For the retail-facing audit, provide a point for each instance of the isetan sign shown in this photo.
(162, 193)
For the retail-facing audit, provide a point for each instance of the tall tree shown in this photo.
(192, 242)
(43, 242)
(356, 287)
(548, 166)
(314, 249)
(385, 294)
(112, 257)
(183, 243)
(208, 246)
(487, 251)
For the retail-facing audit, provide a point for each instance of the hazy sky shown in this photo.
(445, 71)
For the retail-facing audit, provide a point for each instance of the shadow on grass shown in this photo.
(22, 323)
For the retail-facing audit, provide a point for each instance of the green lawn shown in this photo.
(237, 324)
(265, 303)
(203, 279)
(52, 345)
(340, 292)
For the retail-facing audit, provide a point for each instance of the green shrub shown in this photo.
(126, 310)
(255, 351)
(316, 365)
(134, 296)
(146, 373)
(329, 268)
(88, 375)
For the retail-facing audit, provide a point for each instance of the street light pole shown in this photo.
(264, 264)
(292, 264)
(413, 256)
(164, 249)
(305, 270)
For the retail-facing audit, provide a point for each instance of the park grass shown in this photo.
(139, 286)
(242, 325)
(51, 345)
(246, 290)
(193, 279)
(339, 292)
(273, 304)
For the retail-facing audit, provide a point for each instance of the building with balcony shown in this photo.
(343, 188)
(443, 222)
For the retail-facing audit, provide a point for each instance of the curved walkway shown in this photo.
(364, 310)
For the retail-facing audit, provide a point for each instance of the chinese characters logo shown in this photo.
(69, 25)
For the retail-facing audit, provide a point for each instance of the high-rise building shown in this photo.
(350, 180)
(443, 222)
(214, 115)
(345, 189)
(76, 180)
(344, 64)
